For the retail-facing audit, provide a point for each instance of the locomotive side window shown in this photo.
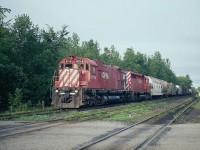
(87, 67)
(93, 70)
(68, 65)
(133, 76)
(62, 66)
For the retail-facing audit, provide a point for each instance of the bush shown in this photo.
(15, 101)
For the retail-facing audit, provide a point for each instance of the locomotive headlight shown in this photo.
(74, 93)
(79, 61)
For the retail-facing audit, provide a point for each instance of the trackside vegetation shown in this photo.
(130, 112)
(29, 55)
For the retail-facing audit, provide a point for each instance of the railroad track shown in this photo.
(29, 127)
(142, 144)
(145, 143)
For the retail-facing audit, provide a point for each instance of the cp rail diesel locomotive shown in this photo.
(82, 81)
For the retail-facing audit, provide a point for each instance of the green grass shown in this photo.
(197, 110)
(131, 112)
(31, 109)
(197, 106)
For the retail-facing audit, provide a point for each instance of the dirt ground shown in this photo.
(191, 116)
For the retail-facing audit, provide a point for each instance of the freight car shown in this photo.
(158, 87)
(81, 81)
(173, 89)
(179, 90)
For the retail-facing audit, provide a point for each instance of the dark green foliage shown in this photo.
(111, 56)
(128, 60)
(29, 57)
(15, 101)
(89, 49)
(12, 76)
(198, 89)
(185, 81)
(160, 68)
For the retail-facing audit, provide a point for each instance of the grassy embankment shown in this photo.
(132, 112)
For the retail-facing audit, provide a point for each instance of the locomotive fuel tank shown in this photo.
(110, 99)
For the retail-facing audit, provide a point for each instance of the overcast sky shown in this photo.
(169, 26)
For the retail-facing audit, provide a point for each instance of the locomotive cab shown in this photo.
(73, 72)
(72, 75)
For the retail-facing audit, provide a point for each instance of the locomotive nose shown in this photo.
(69, 78)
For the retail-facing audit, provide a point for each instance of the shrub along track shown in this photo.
(169, 116)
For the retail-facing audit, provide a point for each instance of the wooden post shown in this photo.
(43, 105)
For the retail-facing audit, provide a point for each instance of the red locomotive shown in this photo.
(81, 81)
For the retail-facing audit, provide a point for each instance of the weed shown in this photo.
(126, 113)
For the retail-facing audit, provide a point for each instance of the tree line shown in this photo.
(29, 55)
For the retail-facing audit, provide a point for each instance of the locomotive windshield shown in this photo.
(68, 65)
(61, 66)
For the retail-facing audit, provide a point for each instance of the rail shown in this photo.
(89, 144)
(144, 144)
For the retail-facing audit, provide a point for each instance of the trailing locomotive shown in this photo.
(81, 81)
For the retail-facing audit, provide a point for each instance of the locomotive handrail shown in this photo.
(52, 82)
